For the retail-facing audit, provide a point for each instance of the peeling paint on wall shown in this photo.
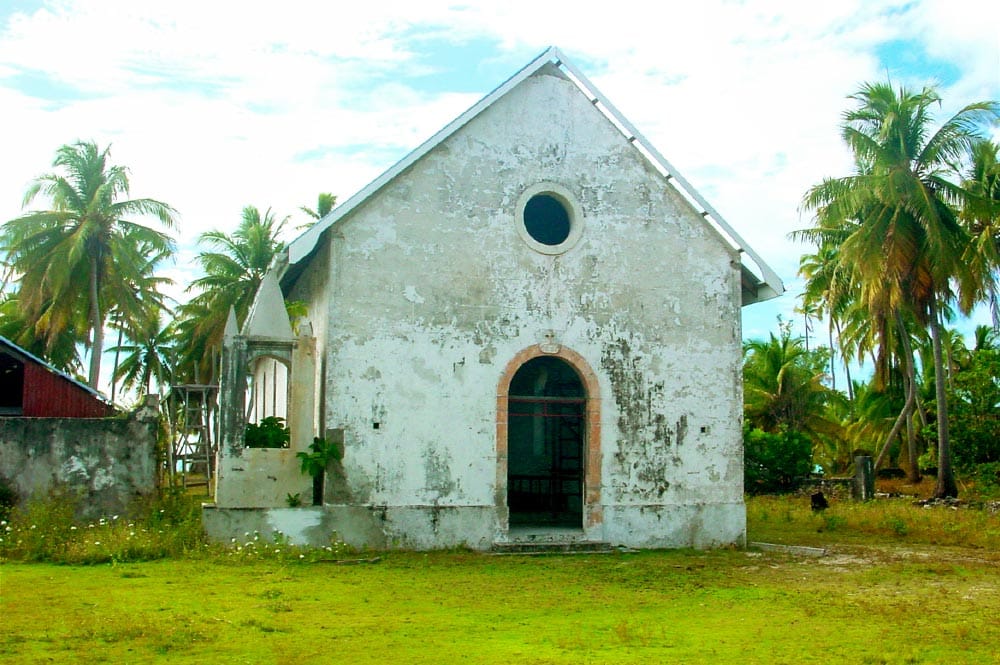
(431, 290)
(109, 462)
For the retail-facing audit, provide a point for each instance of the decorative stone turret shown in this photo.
(266, 371)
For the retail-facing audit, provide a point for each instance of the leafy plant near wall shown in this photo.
(321, 453)
(268, 433)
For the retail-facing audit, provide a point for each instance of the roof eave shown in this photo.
(28, 355)
(769, 284)
(304, 245)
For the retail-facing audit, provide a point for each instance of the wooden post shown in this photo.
(864, 478)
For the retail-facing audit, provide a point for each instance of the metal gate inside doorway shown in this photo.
(545, 446)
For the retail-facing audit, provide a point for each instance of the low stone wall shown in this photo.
(109, 462)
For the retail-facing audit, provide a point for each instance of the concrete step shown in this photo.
(553, 547)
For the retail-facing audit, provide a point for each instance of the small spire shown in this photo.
(268, 318)
(231, 329)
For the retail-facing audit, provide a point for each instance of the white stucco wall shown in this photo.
(428, 290)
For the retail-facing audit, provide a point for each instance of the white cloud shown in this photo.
(214, 106)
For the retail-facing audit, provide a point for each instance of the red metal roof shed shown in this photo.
(31, 388)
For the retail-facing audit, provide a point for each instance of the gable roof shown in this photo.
(759, 285)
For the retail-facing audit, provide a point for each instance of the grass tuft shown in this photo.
(44, 530)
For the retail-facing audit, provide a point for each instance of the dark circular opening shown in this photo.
(546, 219)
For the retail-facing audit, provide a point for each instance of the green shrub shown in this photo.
(986, 480)
(321, 453)
(268, 433)
(974, 411)
(773, 462)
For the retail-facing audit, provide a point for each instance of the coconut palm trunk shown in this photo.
(904, 353)
(946, 487)
(846, 362)
(97, 325)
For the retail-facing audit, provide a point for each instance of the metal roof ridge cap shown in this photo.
(770, 277)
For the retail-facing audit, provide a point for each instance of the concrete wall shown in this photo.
(109, 461)
(432, 289)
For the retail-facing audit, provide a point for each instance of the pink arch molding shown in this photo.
(592, 513)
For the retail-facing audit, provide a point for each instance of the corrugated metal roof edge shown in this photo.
(28, 354)
(768, 286)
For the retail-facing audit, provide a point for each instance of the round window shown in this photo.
(548, 219)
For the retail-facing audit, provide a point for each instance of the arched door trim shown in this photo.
(592, 515)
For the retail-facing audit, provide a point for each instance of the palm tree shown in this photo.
(902, 203)
(139, 303)
(194, 360)
(61, 352)
(827, 293)
(148, 358)
(79, 256)
(871, 415)
(232, 274)
(324, 204)
(783, 387)
(986, 339)
(982, 218)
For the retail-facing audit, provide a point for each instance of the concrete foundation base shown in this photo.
(701, 526)
(475, 527)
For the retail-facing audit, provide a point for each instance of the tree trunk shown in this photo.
(946, 477)
(949, 358)
(911, 393)
(907, 412)
(97, 325)
(847, 365)
(995, 308)
(833, 372)
(913, 467)
(913, 470)
(114, 371)
(922, 412)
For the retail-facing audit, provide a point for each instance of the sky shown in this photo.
(217, 105)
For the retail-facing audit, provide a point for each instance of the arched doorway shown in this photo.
(546, 431)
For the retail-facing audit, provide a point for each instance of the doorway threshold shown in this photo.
(527, 533)
(549, 540)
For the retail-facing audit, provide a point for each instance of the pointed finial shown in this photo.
(231, 329)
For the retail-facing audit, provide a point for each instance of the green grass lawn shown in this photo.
(884, 593)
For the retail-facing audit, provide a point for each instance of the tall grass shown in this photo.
(790, 520)
(44, 529)
(169, 526)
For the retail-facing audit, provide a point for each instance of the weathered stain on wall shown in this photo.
(434, 275)
(646, 445)
(429, 290)
(108, 462)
